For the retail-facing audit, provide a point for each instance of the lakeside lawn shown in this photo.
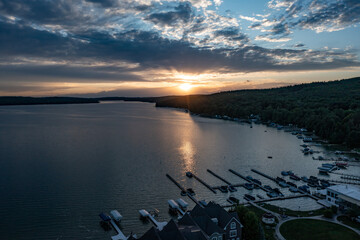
(289, 212)
(310, 229)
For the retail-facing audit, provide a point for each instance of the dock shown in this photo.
(348, 176)
(217, 176)
(341, 181)
(273, 179)
(264, 175)
(268, 200)
(204, 183)
(120, 235)
(176, 183)
(159, 225)
(239, 175)
(183, 189)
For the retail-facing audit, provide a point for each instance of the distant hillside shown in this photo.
(332, 109)
(44, 100)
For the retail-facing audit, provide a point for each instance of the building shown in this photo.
(209, 223)
(343, 196)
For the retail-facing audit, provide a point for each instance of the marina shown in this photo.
(128, 179)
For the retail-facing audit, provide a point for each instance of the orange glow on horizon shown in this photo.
(186, 87)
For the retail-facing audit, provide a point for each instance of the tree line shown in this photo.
(330, 109)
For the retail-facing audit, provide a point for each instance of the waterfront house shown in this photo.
(343, 196)
(209, 223)
(228, 224)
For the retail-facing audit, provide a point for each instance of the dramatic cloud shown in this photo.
(317, 15)
(125, 40)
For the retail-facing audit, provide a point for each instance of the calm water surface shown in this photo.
(61, 165)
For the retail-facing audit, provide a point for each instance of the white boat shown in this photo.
(144, 213)
(173, 204)
(182, 203)
(116, 215)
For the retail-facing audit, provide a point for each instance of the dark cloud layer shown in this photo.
(52, 38)
(318, 15)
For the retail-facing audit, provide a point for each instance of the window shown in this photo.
(220, 238)
(214, 238)
(233, 233)
(233, 225)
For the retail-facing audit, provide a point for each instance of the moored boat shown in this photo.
(233, 200)
(223, 189)
(294, 177)
(190, 191)
(249, 186)
(232, 188)
(249, 197)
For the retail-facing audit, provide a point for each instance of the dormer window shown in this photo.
(233, 225)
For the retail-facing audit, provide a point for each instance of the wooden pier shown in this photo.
(176, 183)
(217, 176)
(268, 200)
(239, 175)
(340, 181)
(273, 179)
(204, 183)
(348, 176)
(264, 175)
(183, 189)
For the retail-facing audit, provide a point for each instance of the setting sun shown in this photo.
(186, 87)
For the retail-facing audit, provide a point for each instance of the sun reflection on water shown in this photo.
(187, 152)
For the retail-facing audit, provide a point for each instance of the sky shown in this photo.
(155, 48)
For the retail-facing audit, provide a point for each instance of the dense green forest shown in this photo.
(331, 109)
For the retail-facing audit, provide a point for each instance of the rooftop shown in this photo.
(347, 190)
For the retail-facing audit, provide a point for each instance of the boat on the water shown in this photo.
(291, 184)
(272, 194)
(304, 179)
(249, 197)
(190, 191)
(233, 200)
(223, 189)
(182, 203)
(342, 164)
(116, 215)
(259, 196)
(189, 174)
(256, 181)
(284, 173)
(268, 187)
(249, 186)
(232, 188)
(278, 192)
(279, 179)
(293, 189)
(183, 193)
(294, 177)
(283, 184)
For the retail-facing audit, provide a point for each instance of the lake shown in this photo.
(61, 165)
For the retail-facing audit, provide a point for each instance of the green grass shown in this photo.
(346, 220)
(292, 212)
(310, 229)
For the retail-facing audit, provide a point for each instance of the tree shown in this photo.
(252, 227)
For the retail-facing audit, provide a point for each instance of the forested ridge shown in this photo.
(331, 109)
